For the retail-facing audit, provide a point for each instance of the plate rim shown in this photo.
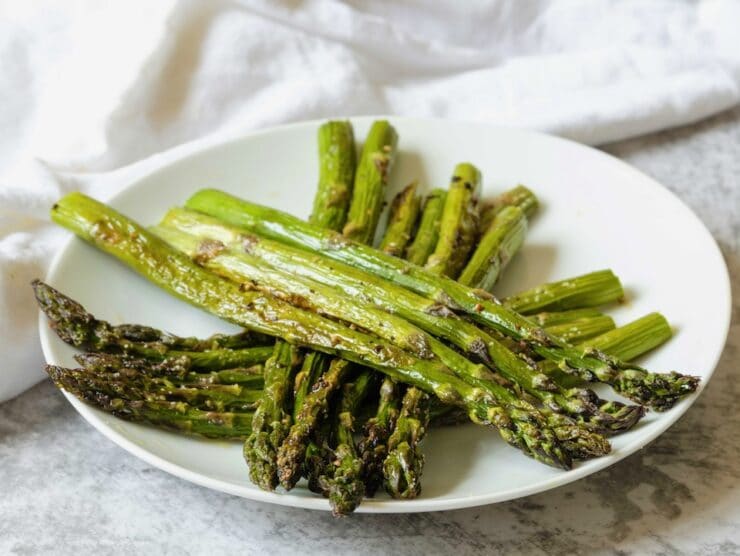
(95, 416)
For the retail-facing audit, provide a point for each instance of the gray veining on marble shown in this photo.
(65, 489)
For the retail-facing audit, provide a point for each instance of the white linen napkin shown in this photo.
(96, 94)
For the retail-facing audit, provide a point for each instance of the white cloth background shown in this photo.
(93, 94)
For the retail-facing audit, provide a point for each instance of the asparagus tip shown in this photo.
(342, 483)
(659, 391)
(260, 456)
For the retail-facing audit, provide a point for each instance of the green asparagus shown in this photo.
(520, 196)
(401, 221)
(74, 325)
(178, 416)
(372, 447)
(633, 339)
(427, 234)
(658, 390)
(498, 245)
(589, 290)
(271, 421)
(173, 369)
(314, 365)
(337, 162)
(293, 453)
(374, 444)
(458, 223)
(300, 275)
(342, 478)
(115, 234)
(402, 467)
(627, 343)
(582, 329)
(370, 182)
(404, 462)
(206, 397)
(336, 175)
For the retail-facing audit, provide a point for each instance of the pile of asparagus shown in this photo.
(350, 352)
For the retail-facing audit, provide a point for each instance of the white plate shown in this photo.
(597, 212)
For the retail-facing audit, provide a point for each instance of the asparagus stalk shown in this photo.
(498, 245)
(401, 221)
(337, 162)
(171, 370)
(633, 339)
(418, 253)
(626, 343)
(427, 235)
(142, 251)
(317, 458)
(345, 487)
(374, 444)
(404, 462)
(658, 390)
(177, 416)
(309, 410)
(242, 267)
(301, 276)
(336, 174)
(582, 329)
(357, 285)
(132, 386)
(342, 478)
(271, 421)
(176, 369)
(222, 358)
(555, 318)
(402, 467)
(75, 326)
(520, 196)
(314, 365)
(588, 290)
(294, 450)
(370, 182)
(458, 222)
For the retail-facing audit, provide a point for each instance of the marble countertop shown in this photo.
(65, 489)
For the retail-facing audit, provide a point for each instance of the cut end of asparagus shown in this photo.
(588, 290)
